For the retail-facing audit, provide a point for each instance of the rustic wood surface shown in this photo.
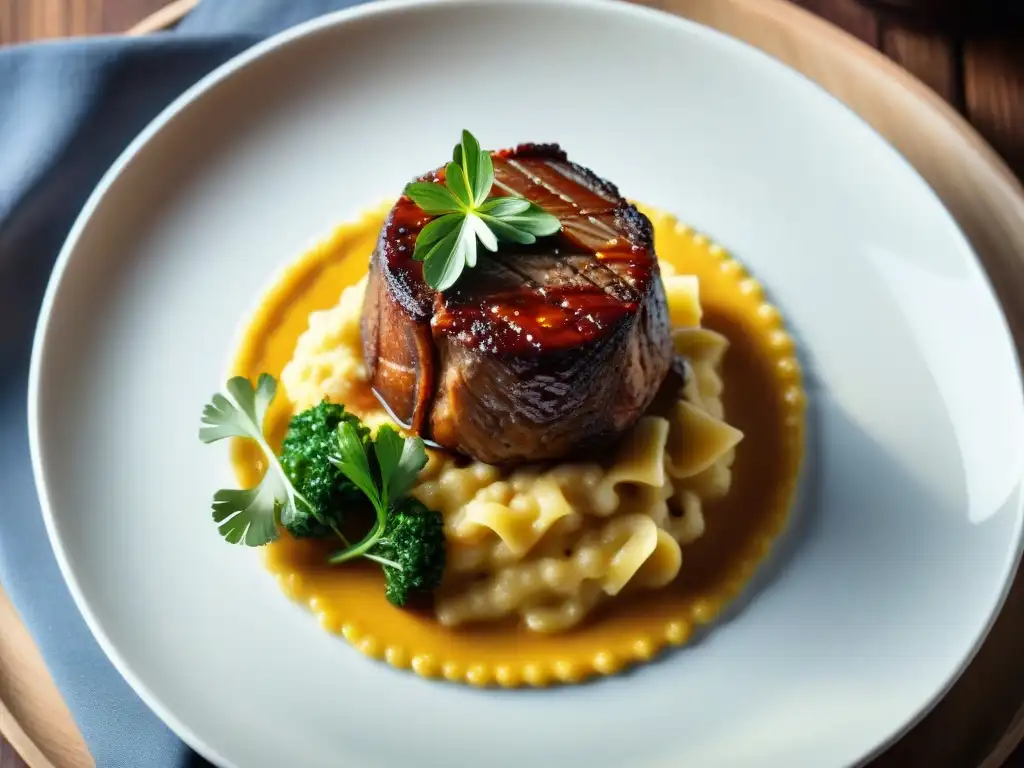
(980, 73)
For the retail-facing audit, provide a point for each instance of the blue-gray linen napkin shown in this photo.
(67, 109)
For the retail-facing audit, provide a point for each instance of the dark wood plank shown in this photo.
(24, 20)
(851, 15)
(119, 15)
(994, 94)
(932, 58)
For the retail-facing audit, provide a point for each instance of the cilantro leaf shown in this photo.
(387, 447)
(448, 244)
(398, 462)
(250, 516)
(241, 416)
(406, 539)
(353, 463)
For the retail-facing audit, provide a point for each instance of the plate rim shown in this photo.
(397, 7)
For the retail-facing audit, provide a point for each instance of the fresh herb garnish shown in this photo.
(311, 439)
(407, 539)
(447, 244)
(412, 551)
(250, 516)
(328, 466)
(398, 463)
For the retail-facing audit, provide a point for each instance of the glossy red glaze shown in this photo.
(537, 349)
(533, 317)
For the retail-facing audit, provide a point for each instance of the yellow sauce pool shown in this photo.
(763, 397)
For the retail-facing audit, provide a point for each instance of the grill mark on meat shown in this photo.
(565, 173)
(571, 174)
(504, 187)
(534, 177)
(611, 286)
(589, 233)
(512, 267)
(524, 276)
(546, 174)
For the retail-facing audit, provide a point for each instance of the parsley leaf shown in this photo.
(398, 462)
(406, 539)
(250, 516)
(353, 462)
(447, 244)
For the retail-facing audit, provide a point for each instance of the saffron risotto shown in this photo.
(547, 544)
(546, 564)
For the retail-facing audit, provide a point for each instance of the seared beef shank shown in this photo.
(537, 352)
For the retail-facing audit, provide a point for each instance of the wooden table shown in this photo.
(980, 73)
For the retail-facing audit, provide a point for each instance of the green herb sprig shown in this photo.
(250, 516)
(310, 441)
(447, 244)
(406, 538)
(398, 462)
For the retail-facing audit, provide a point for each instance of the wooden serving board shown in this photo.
(981, 720)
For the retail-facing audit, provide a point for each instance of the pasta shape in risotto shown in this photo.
(549, 543)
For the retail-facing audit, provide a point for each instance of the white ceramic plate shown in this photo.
(912, 516)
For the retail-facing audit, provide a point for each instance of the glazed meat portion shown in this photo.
(539, 351)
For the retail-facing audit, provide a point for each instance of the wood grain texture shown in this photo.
(849, 15)
(32, 715)
(933, 58)
(24, 20)
(994, 93)
(979, 724)
(165, 17)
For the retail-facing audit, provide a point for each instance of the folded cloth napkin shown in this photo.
(67, 109)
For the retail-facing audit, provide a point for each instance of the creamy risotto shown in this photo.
(549, 543)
